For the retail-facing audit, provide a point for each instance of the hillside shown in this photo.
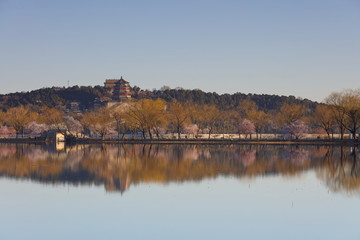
(54, 97)
(61, 98)
(230, 101)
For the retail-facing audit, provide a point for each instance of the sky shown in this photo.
(306, 48)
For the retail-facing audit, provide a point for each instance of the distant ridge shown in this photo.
(265, 102)
(60, 98)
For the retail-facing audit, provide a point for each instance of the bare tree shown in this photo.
(53, 118)
(179, 116)
(324, 118)
(245, 107)
(19, 117)
(289, 113)
(259, 119)
(147, 115)
(98, 121)
(121, 125)
(346, 110)
(207, 117)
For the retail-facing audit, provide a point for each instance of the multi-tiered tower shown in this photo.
(119, 89)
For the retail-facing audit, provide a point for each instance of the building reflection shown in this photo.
(117, 167)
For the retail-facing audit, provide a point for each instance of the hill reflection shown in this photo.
(117, 167)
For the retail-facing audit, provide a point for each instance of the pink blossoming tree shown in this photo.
(246, 127)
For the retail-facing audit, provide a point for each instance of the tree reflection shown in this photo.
(341, 169)
(117, 167)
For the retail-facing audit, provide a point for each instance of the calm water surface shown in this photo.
(179, 192)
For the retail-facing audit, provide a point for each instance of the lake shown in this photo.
(179, 192)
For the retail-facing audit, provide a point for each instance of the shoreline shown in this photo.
(333, 142)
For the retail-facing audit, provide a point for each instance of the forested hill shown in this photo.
(53, 97)
(61, 97)
(230, 101)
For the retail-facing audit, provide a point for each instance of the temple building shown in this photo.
(119, 89)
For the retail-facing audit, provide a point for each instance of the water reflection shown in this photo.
(117, 167)
(341, 170)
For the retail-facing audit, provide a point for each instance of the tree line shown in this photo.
(264, 102)
(55, 97)
(152, 118)
(60, 97)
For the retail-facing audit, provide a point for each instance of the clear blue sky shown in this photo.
(306, 48)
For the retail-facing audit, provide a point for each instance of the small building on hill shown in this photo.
(73, 107)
